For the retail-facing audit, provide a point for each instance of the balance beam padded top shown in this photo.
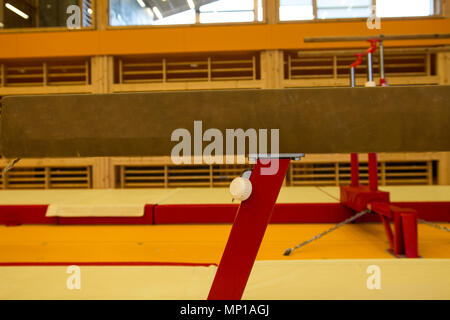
(331, 120)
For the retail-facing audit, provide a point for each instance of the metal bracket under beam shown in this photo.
(291, 156)
(381, 37)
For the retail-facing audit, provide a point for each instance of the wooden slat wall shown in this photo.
(338, 173)
(45, 73)
(330, 65)
(43, 177)
(223, 67)
(329, 68)
(169, 176)
(207, 71)
(332, 170)
(300, 174)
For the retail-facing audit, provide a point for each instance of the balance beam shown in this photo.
(330, 120)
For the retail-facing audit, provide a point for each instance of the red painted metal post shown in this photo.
(409, 222)
(399, 248)
(373, 172)
(247, 232)
(354, 165)
(388, 230)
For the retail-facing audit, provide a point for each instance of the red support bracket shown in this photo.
(248, 231)
(387, 228)
(358, 61)
(358, 198)
(403, 240)
(409, 222)
(373, 45)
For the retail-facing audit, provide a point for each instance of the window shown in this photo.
(291, 10)
(44, 13)
(231, 11)
(405, 8)
(334, 9)
(144, 12)
(296, 10)
(172, 12)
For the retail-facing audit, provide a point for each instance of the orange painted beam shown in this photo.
(156, 40)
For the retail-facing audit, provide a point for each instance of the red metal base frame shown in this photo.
(357, 198)
(403, 240)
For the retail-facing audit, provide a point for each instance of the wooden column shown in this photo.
(102, 72)
(102, 69)
(255, 9)
(271, 11)
(446, 8)
(444, 78)
(443, 71)
(272, 70)
(101, 174)
(101, 14)
(444, 169)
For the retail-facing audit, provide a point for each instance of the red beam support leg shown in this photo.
(409, 222)
(399, 248)
(248, 231)
(354, 165)
(388, 230)
(404, 240)
(373, 172)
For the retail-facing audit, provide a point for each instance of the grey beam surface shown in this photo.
(331, 120)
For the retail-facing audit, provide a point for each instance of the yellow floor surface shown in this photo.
(199, 243)
(272, 280)
(335, 267)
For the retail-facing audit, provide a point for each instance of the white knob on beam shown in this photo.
(371, 84)
(241, 188)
